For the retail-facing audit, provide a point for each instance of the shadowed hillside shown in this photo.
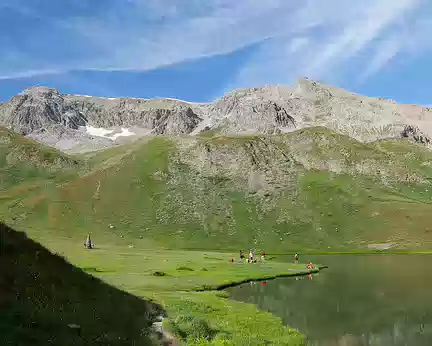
(42, 297)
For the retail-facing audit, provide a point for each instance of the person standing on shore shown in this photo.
(296, 258)
(242, 256)
(88, 243)
(251, 255)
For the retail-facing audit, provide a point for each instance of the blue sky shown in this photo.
(198, 50)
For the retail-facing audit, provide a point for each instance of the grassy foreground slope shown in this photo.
(311, 189)
(183, 282)
(42, 297)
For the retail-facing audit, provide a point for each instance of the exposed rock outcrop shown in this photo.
(38, 109)
(413, 132)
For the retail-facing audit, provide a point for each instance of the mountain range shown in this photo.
(313, 167)
(77, 124)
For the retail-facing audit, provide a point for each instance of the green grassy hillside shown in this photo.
(26, 166)
(42, 297)
(310, 189)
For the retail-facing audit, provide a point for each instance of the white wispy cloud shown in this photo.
(369, 22)
(311, 37)
(385, 51)
(366, 34)
(30, 74)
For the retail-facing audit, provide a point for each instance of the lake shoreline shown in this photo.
(267, 278)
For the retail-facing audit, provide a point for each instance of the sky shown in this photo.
(198, 50)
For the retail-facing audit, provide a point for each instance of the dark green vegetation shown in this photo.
(45, 300)
(369, 299)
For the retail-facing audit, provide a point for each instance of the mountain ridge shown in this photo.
(63, 120)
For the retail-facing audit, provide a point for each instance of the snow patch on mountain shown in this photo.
(107, 133)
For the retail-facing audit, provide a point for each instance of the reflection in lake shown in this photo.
(372, 300)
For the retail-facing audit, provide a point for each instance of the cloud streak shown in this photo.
(313, 37)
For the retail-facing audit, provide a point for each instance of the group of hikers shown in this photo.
(252, 259)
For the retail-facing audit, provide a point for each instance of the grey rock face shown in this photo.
(180, 121)
(57, 119)
(244, 112)
(39, 109)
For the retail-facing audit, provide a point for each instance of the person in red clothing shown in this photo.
(262, 255)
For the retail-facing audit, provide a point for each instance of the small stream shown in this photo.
(373, 300)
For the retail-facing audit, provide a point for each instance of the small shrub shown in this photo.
(222, 295)
(204, 269)
(159, 274)
(185, 269)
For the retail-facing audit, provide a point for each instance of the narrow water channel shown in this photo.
(373, 300)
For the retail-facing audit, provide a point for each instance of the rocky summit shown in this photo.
(74, 123)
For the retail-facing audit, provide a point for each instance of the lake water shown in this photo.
(374, 300)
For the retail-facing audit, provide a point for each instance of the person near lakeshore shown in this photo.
(262, 255)
(296, 258)
(251, 255)
(242, 256)
(88, 243)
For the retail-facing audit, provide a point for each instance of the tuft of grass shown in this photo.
(192, 329)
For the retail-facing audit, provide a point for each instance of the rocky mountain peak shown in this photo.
(311, 89)
(40, 109)
(41, 91)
